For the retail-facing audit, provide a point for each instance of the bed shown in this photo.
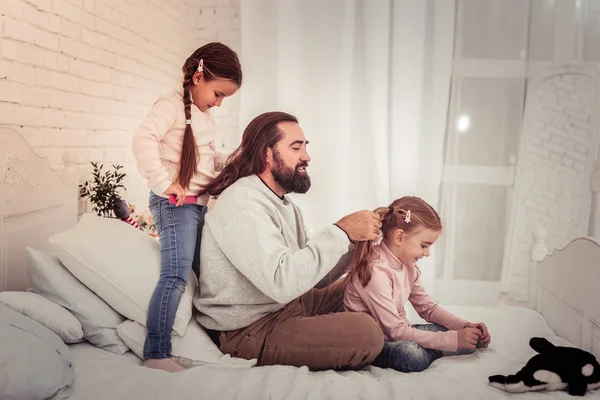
(37, 202)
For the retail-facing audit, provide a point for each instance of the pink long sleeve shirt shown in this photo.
(158, 141)
(392, 284)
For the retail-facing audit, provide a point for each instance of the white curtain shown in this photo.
(364, 79)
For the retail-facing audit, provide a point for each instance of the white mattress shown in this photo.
(103, 375)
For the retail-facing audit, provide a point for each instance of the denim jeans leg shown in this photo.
(178, 234)
(430, 327)
(407, 356)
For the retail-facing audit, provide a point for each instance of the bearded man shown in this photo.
(266, 290)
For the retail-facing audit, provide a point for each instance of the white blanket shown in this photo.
(103, 375)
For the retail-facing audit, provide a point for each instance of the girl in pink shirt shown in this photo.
(175, 153)
(384, 276)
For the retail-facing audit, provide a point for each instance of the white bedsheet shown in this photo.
(103, 375)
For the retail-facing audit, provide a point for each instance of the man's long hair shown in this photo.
(250, 157)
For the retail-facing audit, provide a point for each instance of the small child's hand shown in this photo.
(179, 193)
(467, 338)
(485, 337)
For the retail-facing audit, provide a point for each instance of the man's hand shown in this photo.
(361, 225)
(485, 337)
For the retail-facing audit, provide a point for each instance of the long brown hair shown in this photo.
(394, 217)
(219, 62)
(250, 157)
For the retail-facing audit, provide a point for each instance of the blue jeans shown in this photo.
(179, 232)
(407, 356)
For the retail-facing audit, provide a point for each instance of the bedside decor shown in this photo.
(102, 190)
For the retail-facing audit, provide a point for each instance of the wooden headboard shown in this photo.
(35, 202)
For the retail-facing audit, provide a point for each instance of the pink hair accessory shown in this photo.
(379, 239)
(201, 65)
(407, 218)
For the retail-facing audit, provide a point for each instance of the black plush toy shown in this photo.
(555, 368)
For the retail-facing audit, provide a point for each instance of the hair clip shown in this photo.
(188, 121)
(379, 239)
(390, 210)
(201, 65)
(407, 218)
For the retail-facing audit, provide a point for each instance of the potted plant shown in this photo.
(102, 190)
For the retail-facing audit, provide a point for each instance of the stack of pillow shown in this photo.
(94, 282)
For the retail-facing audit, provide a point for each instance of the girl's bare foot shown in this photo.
(165, 364)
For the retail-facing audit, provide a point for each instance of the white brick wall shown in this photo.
(557, 168)
(77, 76)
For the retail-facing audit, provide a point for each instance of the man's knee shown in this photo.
(369, 337)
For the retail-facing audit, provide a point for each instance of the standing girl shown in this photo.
(174, 148)
(383, 277)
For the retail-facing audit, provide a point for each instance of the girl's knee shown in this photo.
(174, 281)
(410, 357)
(415, 366)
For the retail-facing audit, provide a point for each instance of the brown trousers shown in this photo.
(312, 330)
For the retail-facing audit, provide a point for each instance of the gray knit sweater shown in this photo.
(255, 256)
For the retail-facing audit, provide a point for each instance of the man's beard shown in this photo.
(290, 179)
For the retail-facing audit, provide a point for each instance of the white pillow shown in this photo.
(51, 279)
(46, 312)
(120, 264)
(193, 349)
(34, 362)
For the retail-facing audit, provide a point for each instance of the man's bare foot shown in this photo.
(166, 364)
